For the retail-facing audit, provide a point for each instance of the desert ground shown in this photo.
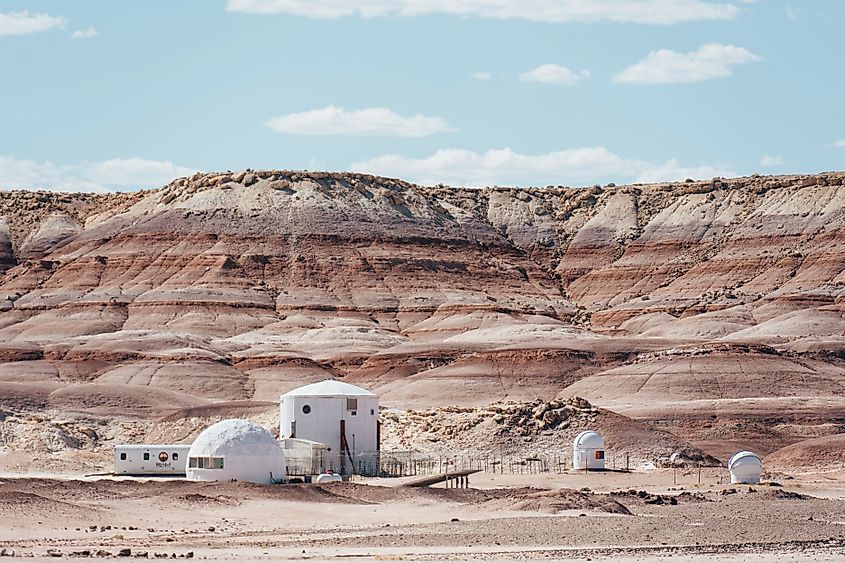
(598, 516)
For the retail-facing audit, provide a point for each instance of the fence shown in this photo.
(411, 463)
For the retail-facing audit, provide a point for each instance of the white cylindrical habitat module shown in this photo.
(588, 451)
(342, 416)
(236, 450)
(745, 467)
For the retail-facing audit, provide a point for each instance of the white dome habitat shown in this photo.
(236, 450)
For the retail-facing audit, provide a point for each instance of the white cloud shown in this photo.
(772, 161)
(84, 33)
(24, 23)
(333, 120)
(507, 167)
(554, 74)
(840, 144)
(636, 11)
(712, 60)
(107, 175)
(672, 171)
(482, 75)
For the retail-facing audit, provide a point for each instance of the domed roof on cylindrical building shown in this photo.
(745, 467)
(236, 450)
(746, 456)
(588, 439)
(330, 388)
(588, 450)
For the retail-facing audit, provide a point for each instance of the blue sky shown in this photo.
(120, 95)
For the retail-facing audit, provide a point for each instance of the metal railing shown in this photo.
(411, 463)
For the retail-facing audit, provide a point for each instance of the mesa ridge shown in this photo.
(667, 303)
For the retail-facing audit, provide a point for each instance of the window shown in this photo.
(354, 413)
(205, 462)
(599, 454)
(372, 412)
(146, 456)
(352, 404)
(175, 456)
(306, 409)
(123, 456)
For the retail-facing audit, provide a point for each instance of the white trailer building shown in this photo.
(144, 459)
(236, 450)
(588, 451)
(342, 416)
(745, 467)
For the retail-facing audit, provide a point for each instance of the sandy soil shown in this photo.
(628, 517)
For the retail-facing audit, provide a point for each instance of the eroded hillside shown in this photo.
(714, 309)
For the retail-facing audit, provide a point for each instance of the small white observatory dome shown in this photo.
(588, 450)
(236, 450)
(745, 467)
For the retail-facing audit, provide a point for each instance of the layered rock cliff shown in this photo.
(238, 286)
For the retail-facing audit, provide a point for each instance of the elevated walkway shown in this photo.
(457, 479)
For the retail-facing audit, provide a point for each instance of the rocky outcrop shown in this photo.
(530, 429)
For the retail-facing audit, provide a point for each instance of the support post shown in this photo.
(344, 451)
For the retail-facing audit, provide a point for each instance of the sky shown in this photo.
(101, 95)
